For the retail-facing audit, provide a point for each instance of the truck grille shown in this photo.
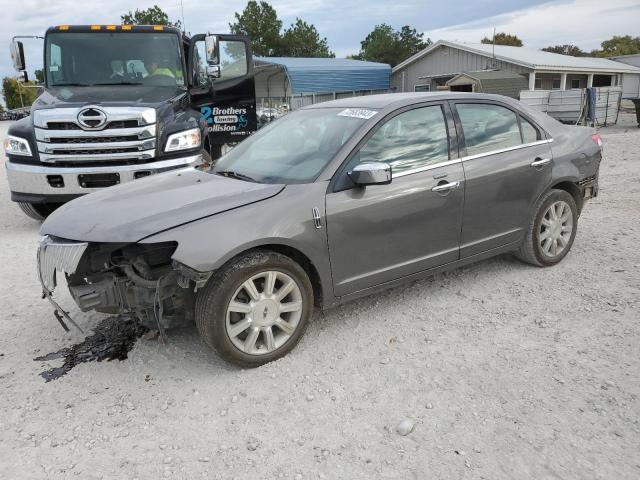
(96, 134)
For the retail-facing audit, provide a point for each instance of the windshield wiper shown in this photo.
(70, 84)
(236, 175)
(117, 83)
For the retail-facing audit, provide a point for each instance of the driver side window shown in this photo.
(414, 139)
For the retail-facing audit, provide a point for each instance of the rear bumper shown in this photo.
(38, 183)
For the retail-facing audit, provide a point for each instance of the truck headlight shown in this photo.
(16, 146)
(184, 140)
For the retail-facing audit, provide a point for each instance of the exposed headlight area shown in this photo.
(185, 140)
(131, 279)
(17, 146)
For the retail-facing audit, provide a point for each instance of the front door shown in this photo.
(507, 166)
(380, 233)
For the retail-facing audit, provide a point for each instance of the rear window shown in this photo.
(488, 127)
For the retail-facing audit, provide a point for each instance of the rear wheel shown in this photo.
(256, 309)
(552, 230)
(38, 211)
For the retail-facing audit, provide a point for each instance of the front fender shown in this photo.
(284, 220)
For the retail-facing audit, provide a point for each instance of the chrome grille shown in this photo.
(55, 254)
(129, 134)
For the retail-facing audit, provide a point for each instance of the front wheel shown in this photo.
(256, 309)
(37, 211)
(551, 232)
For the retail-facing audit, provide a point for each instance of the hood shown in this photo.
(137, 209)
(107, 95)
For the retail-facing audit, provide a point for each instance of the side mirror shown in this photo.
(214, 71)
(17, 55)
(212, 47)
(371, 173)
(22, 77)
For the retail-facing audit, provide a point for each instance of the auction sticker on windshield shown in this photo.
(357, 113)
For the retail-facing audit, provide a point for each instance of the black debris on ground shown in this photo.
(113, 339)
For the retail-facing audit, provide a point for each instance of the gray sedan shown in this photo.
(330, 203)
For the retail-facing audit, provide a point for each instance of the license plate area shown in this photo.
(98, 180)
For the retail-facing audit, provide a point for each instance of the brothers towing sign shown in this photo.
(230, 119)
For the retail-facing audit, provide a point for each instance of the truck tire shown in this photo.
(551, 231)
(37, 211)
(255, 309)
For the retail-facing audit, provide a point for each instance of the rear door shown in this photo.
(380, 233)
(507, 164)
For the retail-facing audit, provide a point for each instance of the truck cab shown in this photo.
(122, 102)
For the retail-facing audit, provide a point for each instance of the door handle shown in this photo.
(445, 186)
(540, 162)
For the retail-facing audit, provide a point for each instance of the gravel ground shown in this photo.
(503, 370)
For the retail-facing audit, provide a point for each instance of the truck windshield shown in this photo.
(294, 149)
(89, 59)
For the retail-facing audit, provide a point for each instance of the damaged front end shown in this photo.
(139, 280)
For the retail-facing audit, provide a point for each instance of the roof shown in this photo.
(492, 75)
(324, 75)
(529, 58)
(396, 99)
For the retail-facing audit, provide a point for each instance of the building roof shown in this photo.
(324, 75)
(492, 75)
(530, 58)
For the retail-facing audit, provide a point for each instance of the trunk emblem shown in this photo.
(92, 118)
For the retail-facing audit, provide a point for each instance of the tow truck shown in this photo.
(122, 102)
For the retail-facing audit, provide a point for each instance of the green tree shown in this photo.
(260, 22)
(571, 50)
(386, 45)
(303, 40)
(11, 91)
(504, 39)
(151, 16)
(39, 75)
(618, 45)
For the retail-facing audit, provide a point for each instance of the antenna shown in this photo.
(184, 26)
(494, 45)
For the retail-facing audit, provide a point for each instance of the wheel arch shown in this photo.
(297, 256)
(570, 186)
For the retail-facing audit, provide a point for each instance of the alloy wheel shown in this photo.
(556, 228)
(264, 312)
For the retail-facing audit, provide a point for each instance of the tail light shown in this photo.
(597, 139)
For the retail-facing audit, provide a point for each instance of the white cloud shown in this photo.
(585, 23)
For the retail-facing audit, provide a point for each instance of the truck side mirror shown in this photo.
(17, 55)
(212, 47)
(22, 77)
(213, 71)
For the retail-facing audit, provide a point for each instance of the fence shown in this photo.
(569, 106)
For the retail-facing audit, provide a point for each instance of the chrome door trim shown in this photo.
(426, 168)
(470, 157)
(508, 149)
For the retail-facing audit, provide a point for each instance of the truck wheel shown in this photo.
(552, 229)
(255, 309)
(37, 211)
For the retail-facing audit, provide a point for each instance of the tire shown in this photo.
(37, 211)
(538, 248)
(220, 323)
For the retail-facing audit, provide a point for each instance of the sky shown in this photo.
(345, 23)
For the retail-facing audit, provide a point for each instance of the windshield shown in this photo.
(88, 59)
(293, 149)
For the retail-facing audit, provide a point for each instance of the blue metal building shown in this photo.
(295, 82)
